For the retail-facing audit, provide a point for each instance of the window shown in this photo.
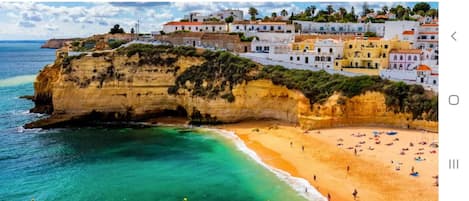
(395, 66)
(350, 46)
(384, 55)
(360, 29)
(306, 60)
(279, 28)
(316, 58)
(271, 28)
(369, 64)
(176, 28)
(385, 46)
(291, 58)
(432, 37)
(341, 28)
(369, 55)
(265, 27)
(376, 65)
(319, 50)
(415, 58)
(330, 50)
(237, 27)
(219, 28)
(329, 59)
(395, 57)
(321, 28)
(356, 64)
(409, 58)
(297, 58)
(401, 57)
(431, 45)
(190, 28)
(336, 63)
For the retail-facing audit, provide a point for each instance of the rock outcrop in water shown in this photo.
(137, 83)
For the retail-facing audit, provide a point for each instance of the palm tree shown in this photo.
(342, 12)
(385, 9)
(274, 15)
(330, 9)
(283, 13)
(253, 12)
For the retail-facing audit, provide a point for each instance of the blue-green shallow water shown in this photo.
(159, 163)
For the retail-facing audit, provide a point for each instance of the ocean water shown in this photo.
(157, 163)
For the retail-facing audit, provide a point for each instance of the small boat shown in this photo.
(391, 132)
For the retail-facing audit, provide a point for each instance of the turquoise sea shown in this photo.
(157, 163)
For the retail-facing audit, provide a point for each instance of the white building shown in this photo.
(340, 28)
(220, 15)
(393, 29)
(323, 55)
(400, 59)
(267, 42)
(214, 27)
(427, 37)
(259, 26)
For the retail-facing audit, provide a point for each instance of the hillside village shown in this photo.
(395, 43)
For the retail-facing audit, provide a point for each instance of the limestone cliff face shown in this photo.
(125, 88)
(56, 43)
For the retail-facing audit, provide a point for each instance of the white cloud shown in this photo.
(26, 24)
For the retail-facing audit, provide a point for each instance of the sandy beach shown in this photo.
(379, 170)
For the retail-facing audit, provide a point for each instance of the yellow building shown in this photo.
(368, 55)
(304, 46)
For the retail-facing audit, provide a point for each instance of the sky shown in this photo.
(42, 20)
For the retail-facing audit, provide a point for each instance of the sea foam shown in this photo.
(298, 184)
(17, 80)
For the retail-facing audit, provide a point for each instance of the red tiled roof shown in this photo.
(381, 17)
(407, 32)
(184, 23)
(423, 67)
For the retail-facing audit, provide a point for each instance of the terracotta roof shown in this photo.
(407, 32)
(429, 25)
(423, 67)
(277, 23)
(214, 22)
(381, 17)
(242, 22)
(406, 51)
(183, 23)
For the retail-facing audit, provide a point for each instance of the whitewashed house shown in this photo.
(259, 26)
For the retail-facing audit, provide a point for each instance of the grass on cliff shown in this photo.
(216, 77)
(320, 85)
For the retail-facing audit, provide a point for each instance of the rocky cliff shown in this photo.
(56, 43)
(128, 85)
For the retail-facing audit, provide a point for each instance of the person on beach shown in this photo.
(355, 150)
(314, 177)
(306, 190)
(291, 144)
(348, 168)
(302, 148)
(328, 197)
(412, 169)
(355, 194)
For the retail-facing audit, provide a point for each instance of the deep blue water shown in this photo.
(159, 163)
